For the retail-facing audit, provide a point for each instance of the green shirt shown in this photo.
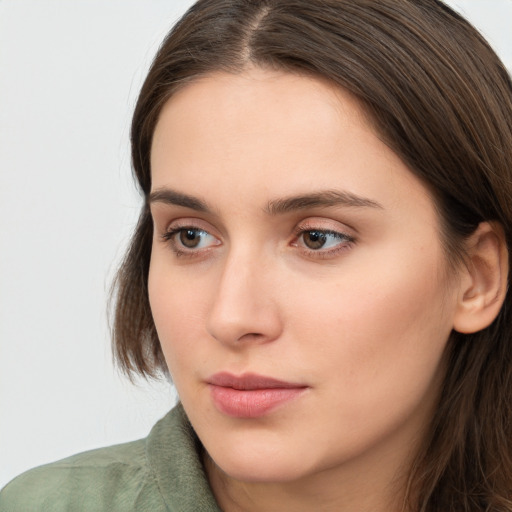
(161, 473)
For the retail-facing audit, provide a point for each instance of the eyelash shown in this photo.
(169, 237)
(346, 241)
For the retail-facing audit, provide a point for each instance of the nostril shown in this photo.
(251, 335)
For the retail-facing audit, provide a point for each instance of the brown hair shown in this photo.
(442, 100)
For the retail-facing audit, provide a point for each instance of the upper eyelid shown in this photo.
(192, 223)
(323, 224)
(171, 231)
(330, 231)
(169, 238)
(339, 234)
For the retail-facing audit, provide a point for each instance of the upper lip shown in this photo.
(249, 381)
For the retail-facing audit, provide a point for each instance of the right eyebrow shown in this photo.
(172, 197)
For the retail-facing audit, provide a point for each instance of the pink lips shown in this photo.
(250, 395)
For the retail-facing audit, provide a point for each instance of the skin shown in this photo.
(362, 322)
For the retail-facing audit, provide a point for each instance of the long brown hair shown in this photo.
(441, 99)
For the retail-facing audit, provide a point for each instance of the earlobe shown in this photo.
(483, 283)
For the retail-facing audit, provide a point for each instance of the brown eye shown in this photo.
(190, 238)
(324, 241)
(314, 239)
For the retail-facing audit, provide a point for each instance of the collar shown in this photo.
(174, 454)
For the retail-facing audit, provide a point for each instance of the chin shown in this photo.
(260, 466)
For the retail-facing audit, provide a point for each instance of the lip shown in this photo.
(251, 395)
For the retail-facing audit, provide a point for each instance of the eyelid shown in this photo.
(175, 227)
(325, 226)
(190, 222)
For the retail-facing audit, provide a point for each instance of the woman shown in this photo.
(321, 265)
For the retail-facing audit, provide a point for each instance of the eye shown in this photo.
(192, 238)
(320, 239)
(322, 242)
(189, 239)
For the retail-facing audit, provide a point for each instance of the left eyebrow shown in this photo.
(324, 198)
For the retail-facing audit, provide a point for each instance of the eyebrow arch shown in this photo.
(319, 199)
(172, 197)
(324, 198)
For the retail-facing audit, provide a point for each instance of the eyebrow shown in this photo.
(326, 198)
(172, 197)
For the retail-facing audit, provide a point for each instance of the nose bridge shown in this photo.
(244, 306)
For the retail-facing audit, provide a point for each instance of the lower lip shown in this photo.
(252, 403)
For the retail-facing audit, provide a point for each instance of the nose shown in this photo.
(245, 307)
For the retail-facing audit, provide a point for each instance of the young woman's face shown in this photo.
(297, 281)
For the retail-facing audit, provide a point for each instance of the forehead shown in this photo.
(253, 103)
(262, 133)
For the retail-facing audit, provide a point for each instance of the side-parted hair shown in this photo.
(440, 98)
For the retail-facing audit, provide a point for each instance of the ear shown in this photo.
(483, 279)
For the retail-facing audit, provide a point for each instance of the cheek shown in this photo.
(380, 325)
(179, 307)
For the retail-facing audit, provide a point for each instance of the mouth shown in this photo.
(251, 395)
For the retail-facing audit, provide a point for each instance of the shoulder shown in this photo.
(113, 478)
(160, 473)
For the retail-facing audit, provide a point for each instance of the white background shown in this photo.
(69, 76)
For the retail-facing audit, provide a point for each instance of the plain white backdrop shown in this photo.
(69, 76)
